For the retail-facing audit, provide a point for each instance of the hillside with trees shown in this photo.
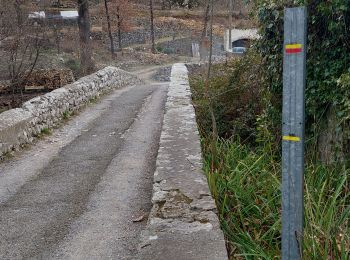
(40, 46)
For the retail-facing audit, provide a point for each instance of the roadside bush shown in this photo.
(159, 48)
(236, 95)
(344, 113)
(74, 65)
(164, 50)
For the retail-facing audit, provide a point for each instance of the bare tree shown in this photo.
(118, 15)
(210, 38)
(119, 23)
(57, 32)
(230, 14)
(5, 23)
(109, 27)
(207, 85)
(20, 44)
(86, 63)
(153, 48)
(203, 42)
(206, 19)
(124, 13)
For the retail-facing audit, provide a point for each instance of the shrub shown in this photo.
(74, 65)
(236, 95)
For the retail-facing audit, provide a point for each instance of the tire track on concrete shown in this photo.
(106, 229)
(29, 163)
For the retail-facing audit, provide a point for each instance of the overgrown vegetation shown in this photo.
(246, 185)
(236, 95)
(328, 65)
(43, 132)
(66, 114)
(244, 163)
(245, 178)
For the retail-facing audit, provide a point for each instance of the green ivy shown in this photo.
(328, 53)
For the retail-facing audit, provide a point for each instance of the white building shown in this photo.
(37, 15)
(57, 15)
(69, 14)
(239, 38)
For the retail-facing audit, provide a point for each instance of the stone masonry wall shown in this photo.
(19, 126)
(182, 223)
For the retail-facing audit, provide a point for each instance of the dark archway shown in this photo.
(241, 43)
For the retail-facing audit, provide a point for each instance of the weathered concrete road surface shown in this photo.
(75, 194)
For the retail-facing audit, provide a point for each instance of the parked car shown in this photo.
(239, 50)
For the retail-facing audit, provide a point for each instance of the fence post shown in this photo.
(294, 77)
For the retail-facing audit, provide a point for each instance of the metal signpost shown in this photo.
(294, 74)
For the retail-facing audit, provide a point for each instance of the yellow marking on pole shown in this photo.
(294, 46)
(291, 138)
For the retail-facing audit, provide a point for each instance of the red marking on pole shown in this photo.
(292, 51)
(294, 48)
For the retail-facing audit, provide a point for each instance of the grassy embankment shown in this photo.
(244, 170)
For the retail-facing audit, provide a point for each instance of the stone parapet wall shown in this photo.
(183, 223)
(20, 126)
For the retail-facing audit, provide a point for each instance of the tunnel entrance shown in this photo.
(241, 43)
